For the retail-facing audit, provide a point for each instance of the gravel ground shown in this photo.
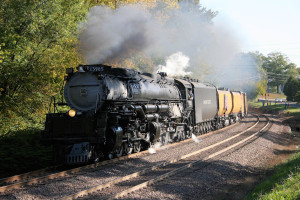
(68, 185)
(229, 176)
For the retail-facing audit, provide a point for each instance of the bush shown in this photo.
(22, 151)
(297, 96)
(290, 88)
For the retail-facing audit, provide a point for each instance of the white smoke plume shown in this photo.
(176, 65)
(187, 40)
(131, 29)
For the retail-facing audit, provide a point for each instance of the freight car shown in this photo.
(117, 111)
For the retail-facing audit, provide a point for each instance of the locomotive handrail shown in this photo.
(54, 105)
(97, 100)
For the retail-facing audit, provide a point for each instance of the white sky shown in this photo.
(261, 25)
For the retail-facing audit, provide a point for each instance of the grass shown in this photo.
(285, 181)
(276, 109)
(254, 104)
(294, 112)
(283, 184)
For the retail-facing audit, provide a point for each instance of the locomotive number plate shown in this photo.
(94, 69)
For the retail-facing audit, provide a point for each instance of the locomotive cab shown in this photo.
(185, 88)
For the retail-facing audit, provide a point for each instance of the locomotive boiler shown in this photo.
(117, 111)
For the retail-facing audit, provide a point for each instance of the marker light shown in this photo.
(72, 113)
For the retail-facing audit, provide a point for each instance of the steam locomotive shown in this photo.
(118, 111)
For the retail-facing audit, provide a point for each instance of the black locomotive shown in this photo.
(117, 111)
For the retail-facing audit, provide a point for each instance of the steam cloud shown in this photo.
(195, 139)
(109, 34)
(185, 38)
(152, 149)
(176, 64)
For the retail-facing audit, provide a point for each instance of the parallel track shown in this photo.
(39, 176)
(160, 177)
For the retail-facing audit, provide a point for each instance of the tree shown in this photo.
(297, 96)
(39, 41)
(291, 87)
(278, 69)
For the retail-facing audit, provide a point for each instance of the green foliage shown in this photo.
(273, 108)
(40, 40)
(297, 96)
(283, 184)
(110, 3)
(291, 87)
(278, 68)
(1, 55)
(262, 86)
(22, 151)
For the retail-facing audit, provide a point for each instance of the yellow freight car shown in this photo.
(237, 105)
(225, 103)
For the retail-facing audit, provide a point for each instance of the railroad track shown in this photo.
(43, 175)
(39, 176)
(150, 176)
(28, 175)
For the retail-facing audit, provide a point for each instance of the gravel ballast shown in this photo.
(203, 182)
(230, 176)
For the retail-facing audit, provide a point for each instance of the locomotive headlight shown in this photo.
(72, 113)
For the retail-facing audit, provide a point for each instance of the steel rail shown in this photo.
(21, 182)
(136, 174)
(168, 174)
(26, 175)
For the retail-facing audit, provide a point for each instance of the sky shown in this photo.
(261, 25)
